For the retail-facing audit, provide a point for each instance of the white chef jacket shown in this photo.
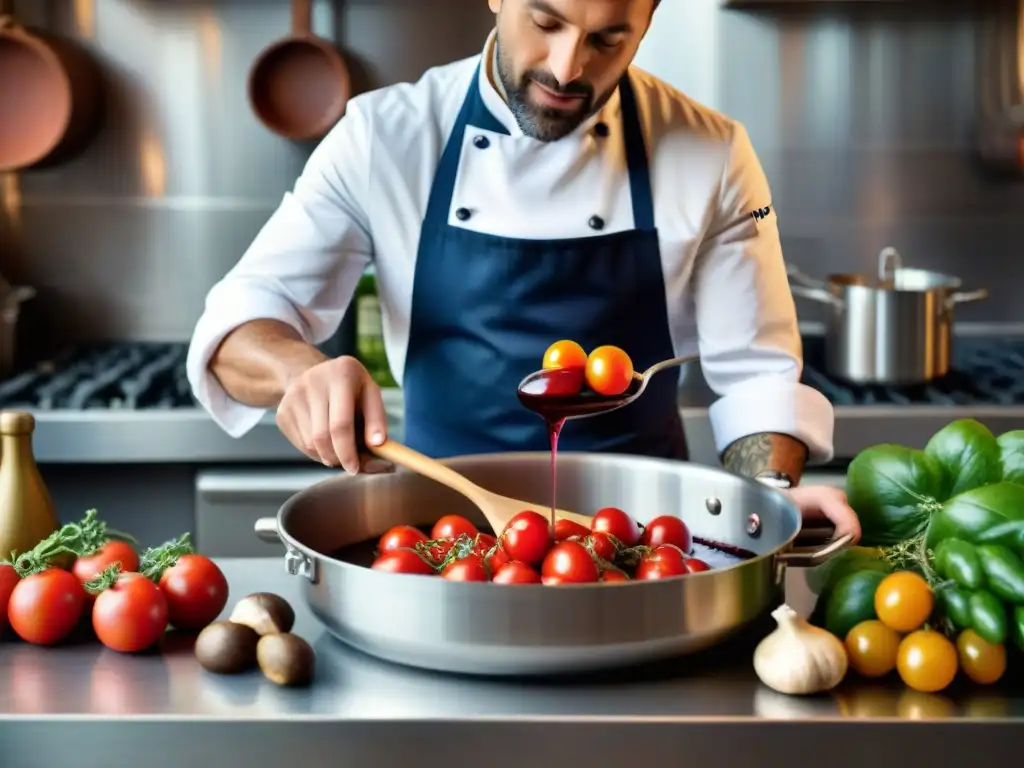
(363, 193)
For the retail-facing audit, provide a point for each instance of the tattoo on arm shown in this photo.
(767, 450)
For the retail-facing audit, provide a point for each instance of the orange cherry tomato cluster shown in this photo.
(607, 370)
(614, 549)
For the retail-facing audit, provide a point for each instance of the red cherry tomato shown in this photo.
(565, 354)
(568, 562)
(661, 563)
(564, 529)
(483, 543)
(130, 616)
(515, 572)
(614, 575)
(693, 565)
(496, 559)
(437, 552)
(8, 581)
(609, 371)
(403, 561)
(401, 537)
(614, 521)
(196, 592)
(556, 382)
(44, 608)
(89, 567)
(603, 546)
(666, 529)
(451, 527)
(469, 568)
(527, 537)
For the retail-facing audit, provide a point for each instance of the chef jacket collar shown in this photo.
(496, 105)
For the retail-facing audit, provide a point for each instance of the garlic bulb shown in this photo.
(798, 658)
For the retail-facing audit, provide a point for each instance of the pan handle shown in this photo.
(266, 530)
(808, 557)
(816, 294)
(302, 18)
(794, 273)
(965, 297)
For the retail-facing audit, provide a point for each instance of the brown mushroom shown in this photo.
(265, 612)
(286, 659)
(227, 648)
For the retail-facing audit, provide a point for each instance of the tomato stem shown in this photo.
(78, 539)
(156, 560)
(464, 546)
(104, 580)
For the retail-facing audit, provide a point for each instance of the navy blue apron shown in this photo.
(485, 308)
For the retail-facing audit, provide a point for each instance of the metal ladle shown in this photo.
(595, 405)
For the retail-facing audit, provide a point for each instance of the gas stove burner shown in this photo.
(985, 371)
(121, 376)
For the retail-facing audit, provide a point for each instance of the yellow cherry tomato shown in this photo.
(982, 661)
(926, 661)
(609, 371)
(565, 354)
(872, 647)
(904, 601)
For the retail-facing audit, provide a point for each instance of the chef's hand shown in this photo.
(322, 409)
(822, 502)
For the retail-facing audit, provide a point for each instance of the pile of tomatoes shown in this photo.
(898, 637)
(607, 370)
(614, 549)
(127, 600)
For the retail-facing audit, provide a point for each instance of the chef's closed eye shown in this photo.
(545, 23)
(599, 40)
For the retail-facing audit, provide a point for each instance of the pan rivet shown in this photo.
(714, 506)
(753, 525)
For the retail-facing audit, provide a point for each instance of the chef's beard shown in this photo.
(539, 122)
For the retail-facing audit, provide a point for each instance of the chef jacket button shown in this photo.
(481, 142)
(596, 222)
(601, 129)
(462, 214)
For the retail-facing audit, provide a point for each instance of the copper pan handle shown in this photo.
(302, 18)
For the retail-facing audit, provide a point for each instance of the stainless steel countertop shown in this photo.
(374, 713)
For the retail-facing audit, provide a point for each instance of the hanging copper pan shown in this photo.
(299, 85)
(50, 97)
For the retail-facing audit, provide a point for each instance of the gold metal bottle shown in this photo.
(27, 513)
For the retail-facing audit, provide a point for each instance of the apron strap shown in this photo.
(636, 158)
(473, 112)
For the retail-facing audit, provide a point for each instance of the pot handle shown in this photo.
(820, 295)
(266, 530)
(965, 297)
(794, 273)
(808, 557)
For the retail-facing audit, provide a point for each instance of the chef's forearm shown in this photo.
(258, 360)
(766, 450)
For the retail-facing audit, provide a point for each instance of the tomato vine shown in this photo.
(156, 560)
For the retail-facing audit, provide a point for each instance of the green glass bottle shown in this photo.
(370, 331)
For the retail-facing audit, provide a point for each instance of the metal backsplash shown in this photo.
(862, 118)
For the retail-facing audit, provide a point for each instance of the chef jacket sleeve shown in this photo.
(749, 341)
(302, 268)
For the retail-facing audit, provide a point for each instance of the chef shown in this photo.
(542, 190)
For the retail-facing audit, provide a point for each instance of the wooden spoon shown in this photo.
(496, 508)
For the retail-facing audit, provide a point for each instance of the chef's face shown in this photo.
(560, 60)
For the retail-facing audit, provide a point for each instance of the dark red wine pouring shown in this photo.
(558, 394)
